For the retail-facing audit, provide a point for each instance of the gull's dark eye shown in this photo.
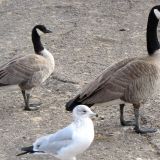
(84, 111)
(38, 145)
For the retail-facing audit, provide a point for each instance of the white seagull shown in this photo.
(69, 141)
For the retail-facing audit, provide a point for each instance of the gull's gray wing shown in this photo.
(63, 134)
(55, 147)
(54, 142)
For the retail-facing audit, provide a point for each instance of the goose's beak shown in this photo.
(48, 31)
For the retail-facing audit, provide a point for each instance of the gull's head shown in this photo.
(82, 111)
(156, 10)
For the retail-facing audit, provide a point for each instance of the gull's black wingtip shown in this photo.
(22, 153)
(26, 150)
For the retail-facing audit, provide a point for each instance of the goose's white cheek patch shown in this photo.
(39, 32)
(157, 13)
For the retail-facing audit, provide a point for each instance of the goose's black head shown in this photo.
(42, 28)
(36, 31)
(155, 12)
(152, 39)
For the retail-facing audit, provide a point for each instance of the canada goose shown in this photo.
(67, 142)
(30, 70)
(131, 80)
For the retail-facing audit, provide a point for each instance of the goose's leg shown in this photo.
(123, 122)
(28, 107)
(137, 128)
(24, 97)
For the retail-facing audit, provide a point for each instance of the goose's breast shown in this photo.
(143, 87)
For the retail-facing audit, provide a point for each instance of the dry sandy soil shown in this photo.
(86, 39)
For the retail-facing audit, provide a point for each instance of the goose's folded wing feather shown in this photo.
(113, 83)
(20, 69)
(101, 80)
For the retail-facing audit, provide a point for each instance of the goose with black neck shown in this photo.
(132, 80)
(30, 70)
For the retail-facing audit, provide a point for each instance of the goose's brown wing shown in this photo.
(124, 80)
(102, 79)
(21, 69)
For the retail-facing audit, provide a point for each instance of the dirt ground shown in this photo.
(86, 39)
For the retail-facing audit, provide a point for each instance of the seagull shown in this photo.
(69, 141)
